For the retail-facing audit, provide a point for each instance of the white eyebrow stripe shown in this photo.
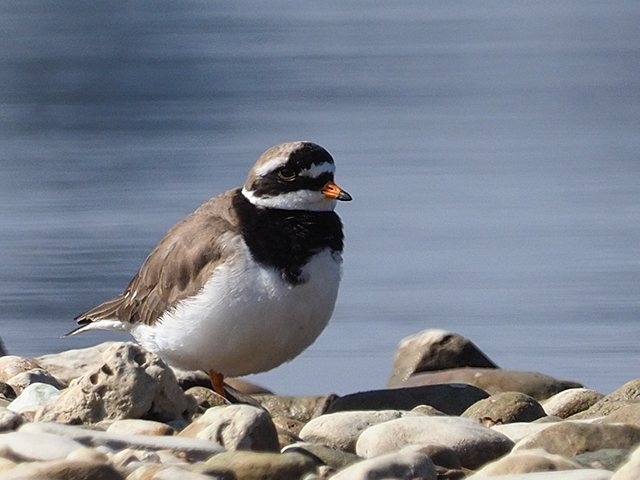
(316, 170)
(270, 166)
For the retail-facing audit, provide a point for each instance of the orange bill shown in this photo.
(333, 191)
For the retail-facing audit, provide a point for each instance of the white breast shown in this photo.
(246, 319)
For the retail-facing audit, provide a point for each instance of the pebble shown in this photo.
(236, 427)
(140, 427)
(302, 408)
(571, 401)
(36, 375)
(505, 407)
(519, 430)
(527, 461)
(9, 420)
(12, 365)
(32, 446)
(403, 465)
(260, 465)
(34, 397)
(474, 444)
(341, 429)
(432, 350)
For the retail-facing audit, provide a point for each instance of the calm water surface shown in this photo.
(492, 149)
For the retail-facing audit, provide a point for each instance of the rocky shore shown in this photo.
(115, 412)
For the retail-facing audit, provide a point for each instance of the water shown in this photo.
(491, 148)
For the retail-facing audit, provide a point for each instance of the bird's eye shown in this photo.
(287, 174)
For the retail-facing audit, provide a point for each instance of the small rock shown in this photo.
(12, 365)
(130, 383)
(259, 465)
(34, 397)
(49, 446)
(631, 469)
(140, 427)
(452, 399)
(571, 401)
(236, 427)
(206, 398)
(37, 375)
(9, 420)
(341, 429)
(536, 385)
(623, 396)
(332, 457)
(404, 465)
(62, 470)
(302, 408)
(474, 444)
(191, 449)
(288, 430)
(506, 407)
(86, 454)
(432, 350)
(570, 438)
(6, 391)
(604, 459)
(527, 461)
(130, 456)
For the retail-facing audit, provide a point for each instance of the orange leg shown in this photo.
(217, 382)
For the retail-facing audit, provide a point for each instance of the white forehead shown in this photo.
(277, 162)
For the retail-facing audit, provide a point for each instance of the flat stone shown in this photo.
(260, 465)
(432, 350)
(130, 383)
(474, 444)
(341, 429)
(9, 420)
(404, 465)
(571, 401)
(62, 470)
(302, 408)
(584, 474)
(527, 461)
(536, 385)
(192, 449)
(12, 365)
(505, 407)
(37, 375)
(49, 446)
(623, 396)
(452, 399)
(34, 397)
(140, 427)
(630, 470)
(236, 427)
(570, 438)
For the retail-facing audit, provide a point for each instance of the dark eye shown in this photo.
(287, 174)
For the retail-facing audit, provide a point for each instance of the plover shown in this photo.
(248, 280)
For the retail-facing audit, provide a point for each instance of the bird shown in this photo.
(247, 281)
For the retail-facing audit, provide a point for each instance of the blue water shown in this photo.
(492, 150)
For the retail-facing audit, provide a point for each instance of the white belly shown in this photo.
(246, 319)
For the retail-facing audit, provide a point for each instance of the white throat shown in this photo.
(297, 200)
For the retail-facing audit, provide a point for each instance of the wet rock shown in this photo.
(341, 429)
(571, 401)
(236, 427)
(570, 438)
(405, 465)
(474, 444)
(302, 408)
(527, 461)
(62, 470)
(259, 465)
(140, 427)
(190, 449)
(627, 394)
(432, 350)
(38, 446)
(506, 407)
(34, 397)
(130, 383)
(37, 375)
(12, 365)
(536, 385)
(452, 399)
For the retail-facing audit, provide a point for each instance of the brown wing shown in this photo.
(177, 268)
